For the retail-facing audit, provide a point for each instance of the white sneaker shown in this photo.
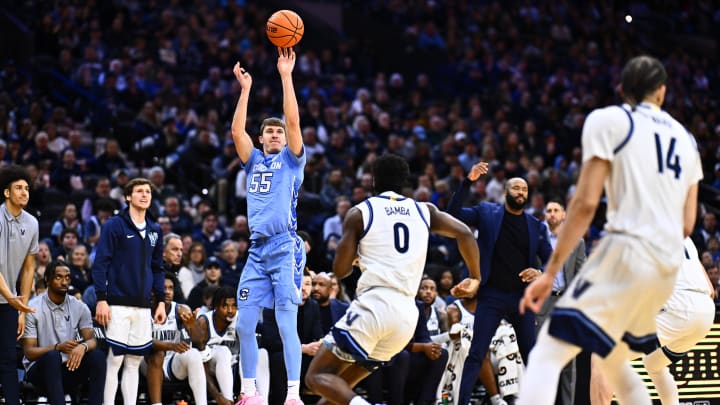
(497, 400)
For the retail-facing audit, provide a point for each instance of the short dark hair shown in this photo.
(11, 174)
(66, 231)
(51, 269)
(170, 276)
(641, 76)
(222, 294)
(390, 173)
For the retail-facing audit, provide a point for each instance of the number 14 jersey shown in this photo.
(393, 245)
(654, 161)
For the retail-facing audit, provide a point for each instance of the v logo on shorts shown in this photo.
(580, 287)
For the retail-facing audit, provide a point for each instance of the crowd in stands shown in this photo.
(127, 88)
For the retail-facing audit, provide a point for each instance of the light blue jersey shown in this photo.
(273, 182)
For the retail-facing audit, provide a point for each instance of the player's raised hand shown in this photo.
(478, 169)
(286, 60)
(242, 76)
(160, 315)
(466, 288)
(536, 293)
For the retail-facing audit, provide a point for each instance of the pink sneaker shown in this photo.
(295, 401)
(250, 400)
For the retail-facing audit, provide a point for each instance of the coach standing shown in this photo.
(510, 242)
(18, 245)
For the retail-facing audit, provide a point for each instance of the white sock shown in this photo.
(629, 387)
(130, 379)
(111, 377)
(656, 365)
(293, 391)
(358, 400)
(248, 387)
(157, 403)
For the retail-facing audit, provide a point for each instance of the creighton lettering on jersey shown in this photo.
(652, 155)
(397, 263)
(273, 182)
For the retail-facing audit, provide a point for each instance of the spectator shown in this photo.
(181, 221)
(508, 263)
(193, 270)
(229, 264)
(172, 261)
(332, 227)
(18, 259)
(427, 363)
(708, 229)
(55, 359)
(80, 269)
(173, 358)
(554, 218)
(210, 234)
(104, 209)
(68, 174)
(69, 238)
(213, 275)
(102, 191)
(331, 310)
(69, 219)
(437, 321)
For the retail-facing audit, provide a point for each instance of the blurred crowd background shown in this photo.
(93, 93)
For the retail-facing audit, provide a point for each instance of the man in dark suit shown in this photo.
(554, 217)
(310, 332)
(331, 310)
(510, 243)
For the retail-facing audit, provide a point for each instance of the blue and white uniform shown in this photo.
(381, 320)
(631, 273)
(276, 258)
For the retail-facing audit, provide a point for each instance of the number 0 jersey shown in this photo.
(654, 162)
(393, 246)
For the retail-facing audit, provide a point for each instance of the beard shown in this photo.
(513, 203)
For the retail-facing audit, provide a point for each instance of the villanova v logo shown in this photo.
(580, 287)
(22, 232)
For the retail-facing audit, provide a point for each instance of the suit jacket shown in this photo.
(574, 262)
(488, 218)
(570, 269)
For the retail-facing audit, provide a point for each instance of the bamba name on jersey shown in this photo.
(397, 211)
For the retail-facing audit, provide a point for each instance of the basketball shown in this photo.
(284, 28)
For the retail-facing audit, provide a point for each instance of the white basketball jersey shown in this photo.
(393, 246)
(227, 337)
(654, 162)
(467, 318)
(168, 331)
(692, 273)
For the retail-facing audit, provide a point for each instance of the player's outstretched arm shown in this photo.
(446, 225)
(347, 247)
(243, 142)
(285, 65)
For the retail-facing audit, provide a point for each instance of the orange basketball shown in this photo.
(284, 28)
